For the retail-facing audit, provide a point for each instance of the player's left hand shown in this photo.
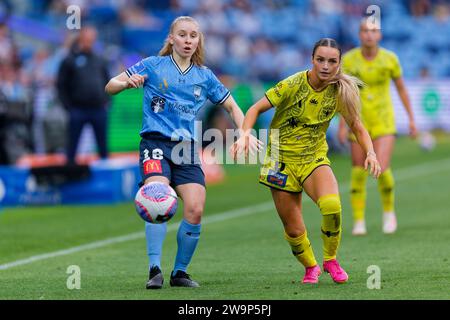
(372, 162)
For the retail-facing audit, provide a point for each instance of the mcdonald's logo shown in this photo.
(152, 166)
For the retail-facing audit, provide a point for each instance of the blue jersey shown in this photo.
(172, 98)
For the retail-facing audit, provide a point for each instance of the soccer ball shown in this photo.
(156, 202)
(427, 141)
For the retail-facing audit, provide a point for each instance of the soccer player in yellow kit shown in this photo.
(375, 66)
(296, 158)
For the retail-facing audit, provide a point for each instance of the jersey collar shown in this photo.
(310, 86)
(178, 68)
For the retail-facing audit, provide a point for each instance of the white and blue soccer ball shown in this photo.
(427, 141)
(156, 202)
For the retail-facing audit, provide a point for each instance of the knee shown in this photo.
(330, 207)
(386, 179)
(358, 176)
(294, 231)
(193, 213)
(329, 204)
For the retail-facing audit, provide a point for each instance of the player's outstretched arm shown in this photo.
(403, 94)
(122, 82)
(364, 140)
(245, 141)
(235, 112)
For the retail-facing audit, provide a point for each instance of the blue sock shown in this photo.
(155, 234)
(187, 239)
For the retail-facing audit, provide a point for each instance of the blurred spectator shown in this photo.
(134, 17)
(16, 115)
(424, 72)
(8, 52)
(261, 65)
(419, 8)
(235, 29)
(328, 7)
(41, 84)
(442, 12)
(81, 81)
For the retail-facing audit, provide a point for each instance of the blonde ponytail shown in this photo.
(349, 101)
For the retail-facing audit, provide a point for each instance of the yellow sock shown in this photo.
(330, 207)
(301, 249)
(358, 192)
(386, 185)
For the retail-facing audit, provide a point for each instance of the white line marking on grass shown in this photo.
(400, 175)
(265, 206)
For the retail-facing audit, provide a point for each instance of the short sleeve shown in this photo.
(278, 93)
(217, 92)
(396, 71)
(142, 67)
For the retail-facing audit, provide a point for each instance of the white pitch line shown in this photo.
(401, 175)
(137, 235)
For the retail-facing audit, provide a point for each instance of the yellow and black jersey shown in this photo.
(302, 116)
(377, 109)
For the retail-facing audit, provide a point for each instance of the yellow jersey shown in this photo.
(302, 116)
(377, 111)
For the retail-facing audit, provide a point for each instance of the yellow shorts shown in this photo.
(289, 176)
(376, 131)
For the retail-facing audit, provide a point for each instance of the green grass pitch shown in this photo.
(242, 253)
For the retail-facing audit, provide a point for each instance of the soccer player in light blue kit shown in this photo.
(176, 85)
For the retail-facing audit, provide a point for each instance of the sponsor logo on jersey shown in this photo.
(275, 90)
(313, 101)
(182, 110)
(152, 166)
(277, 178)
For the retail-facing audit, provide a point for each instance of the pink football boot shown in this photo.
(312, 274)
(335, 270)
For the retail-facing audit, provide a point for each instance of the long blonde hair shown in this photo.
(349, 102)
(198, 57)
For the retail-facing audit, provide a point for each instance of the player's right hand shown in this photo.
(135, 81)
(372, 164)
(246, 143)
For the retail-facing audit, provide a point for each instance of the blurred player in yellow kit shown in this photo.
(296, 157)
(375, 66)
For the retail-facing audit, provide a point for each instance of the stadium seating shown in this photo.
(410, 37)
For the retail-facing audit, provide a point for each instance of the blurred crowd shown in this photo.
(248, 40)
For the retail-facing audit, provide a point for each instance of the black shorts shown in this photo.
(177, 161)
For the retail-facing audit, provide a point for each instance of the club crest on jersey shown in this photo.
(197, 91)
(327, 111)
(158, 104)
